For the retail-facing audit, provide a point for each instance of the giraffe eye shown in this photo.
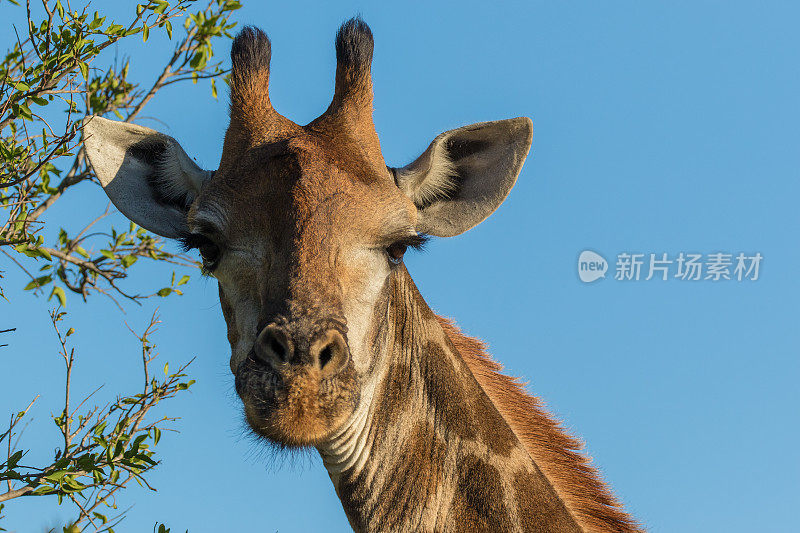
(210, 253)
(396, 252)
(397, 249)
(209, 250)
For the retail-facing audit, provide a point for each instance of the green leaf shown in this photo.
(166, 291)
(128, 260)
(84, 69)
(198, 60)
(162, 6)
(59, 292)
(184, 386)
(70, 485)
(183, 281)
(96, 21)
(145, 33)
(30, 252)
(81, 251)
(38, 282)
(146, 459)
(166, 369)
(56, 476)
(22, 111)
(14, 459)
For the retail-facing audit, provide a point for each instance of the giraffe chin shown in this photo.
(295, 406)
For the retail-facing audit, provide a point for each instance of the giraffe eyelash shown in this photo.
(191, 241)
(416, 242)
(205, 246)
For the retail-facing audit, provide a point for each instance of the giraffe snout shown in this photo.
(326, 350)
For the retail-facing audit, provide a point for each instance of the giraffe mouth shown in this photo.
(295, 406)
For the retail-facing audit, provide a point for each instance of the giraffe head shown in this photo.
(303, 226)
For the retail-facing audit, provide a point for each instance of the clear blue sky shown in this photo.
(659, 127)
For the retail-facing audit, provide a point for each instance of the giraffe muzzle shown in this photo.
(326, 350)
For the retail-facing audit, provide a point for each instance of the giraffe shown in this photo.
(332, 345)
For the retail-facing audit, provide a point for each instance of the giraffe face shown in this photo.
(302, 240)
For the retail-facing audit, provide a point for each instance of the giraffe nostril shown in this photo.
(330, 352)
(325, 356)
(273, 346)
(278, 348)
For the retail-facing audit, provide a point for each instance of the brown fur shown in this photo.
(555, 452)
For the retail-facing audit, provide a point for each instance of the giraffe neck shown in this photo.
(427, 450)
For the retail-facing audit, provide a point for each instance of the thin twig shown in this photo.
(37, 287)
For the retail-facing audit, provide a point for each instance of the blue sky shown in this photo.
(659, 128)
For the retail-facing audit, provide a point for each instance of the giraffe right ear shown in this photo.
(146, 174)
(465, 174)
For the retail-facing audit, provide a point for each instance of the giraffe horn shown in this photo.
(250, 55)
(351, 107)
(354, 47)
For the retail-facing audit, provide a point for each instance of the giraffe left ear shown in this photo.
(465, 174)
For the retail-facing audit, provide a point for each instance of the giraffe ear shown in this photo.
(465, 174)
(146, 174)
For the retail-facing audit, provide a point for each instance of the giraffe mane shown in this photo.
(558, 454)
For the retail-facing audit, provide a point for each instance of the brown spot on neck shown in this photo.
(479, 503)
(461, 406)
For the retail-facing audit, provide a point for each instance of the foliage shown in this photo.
(103, 449)
(41, 161)
(56, 73)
